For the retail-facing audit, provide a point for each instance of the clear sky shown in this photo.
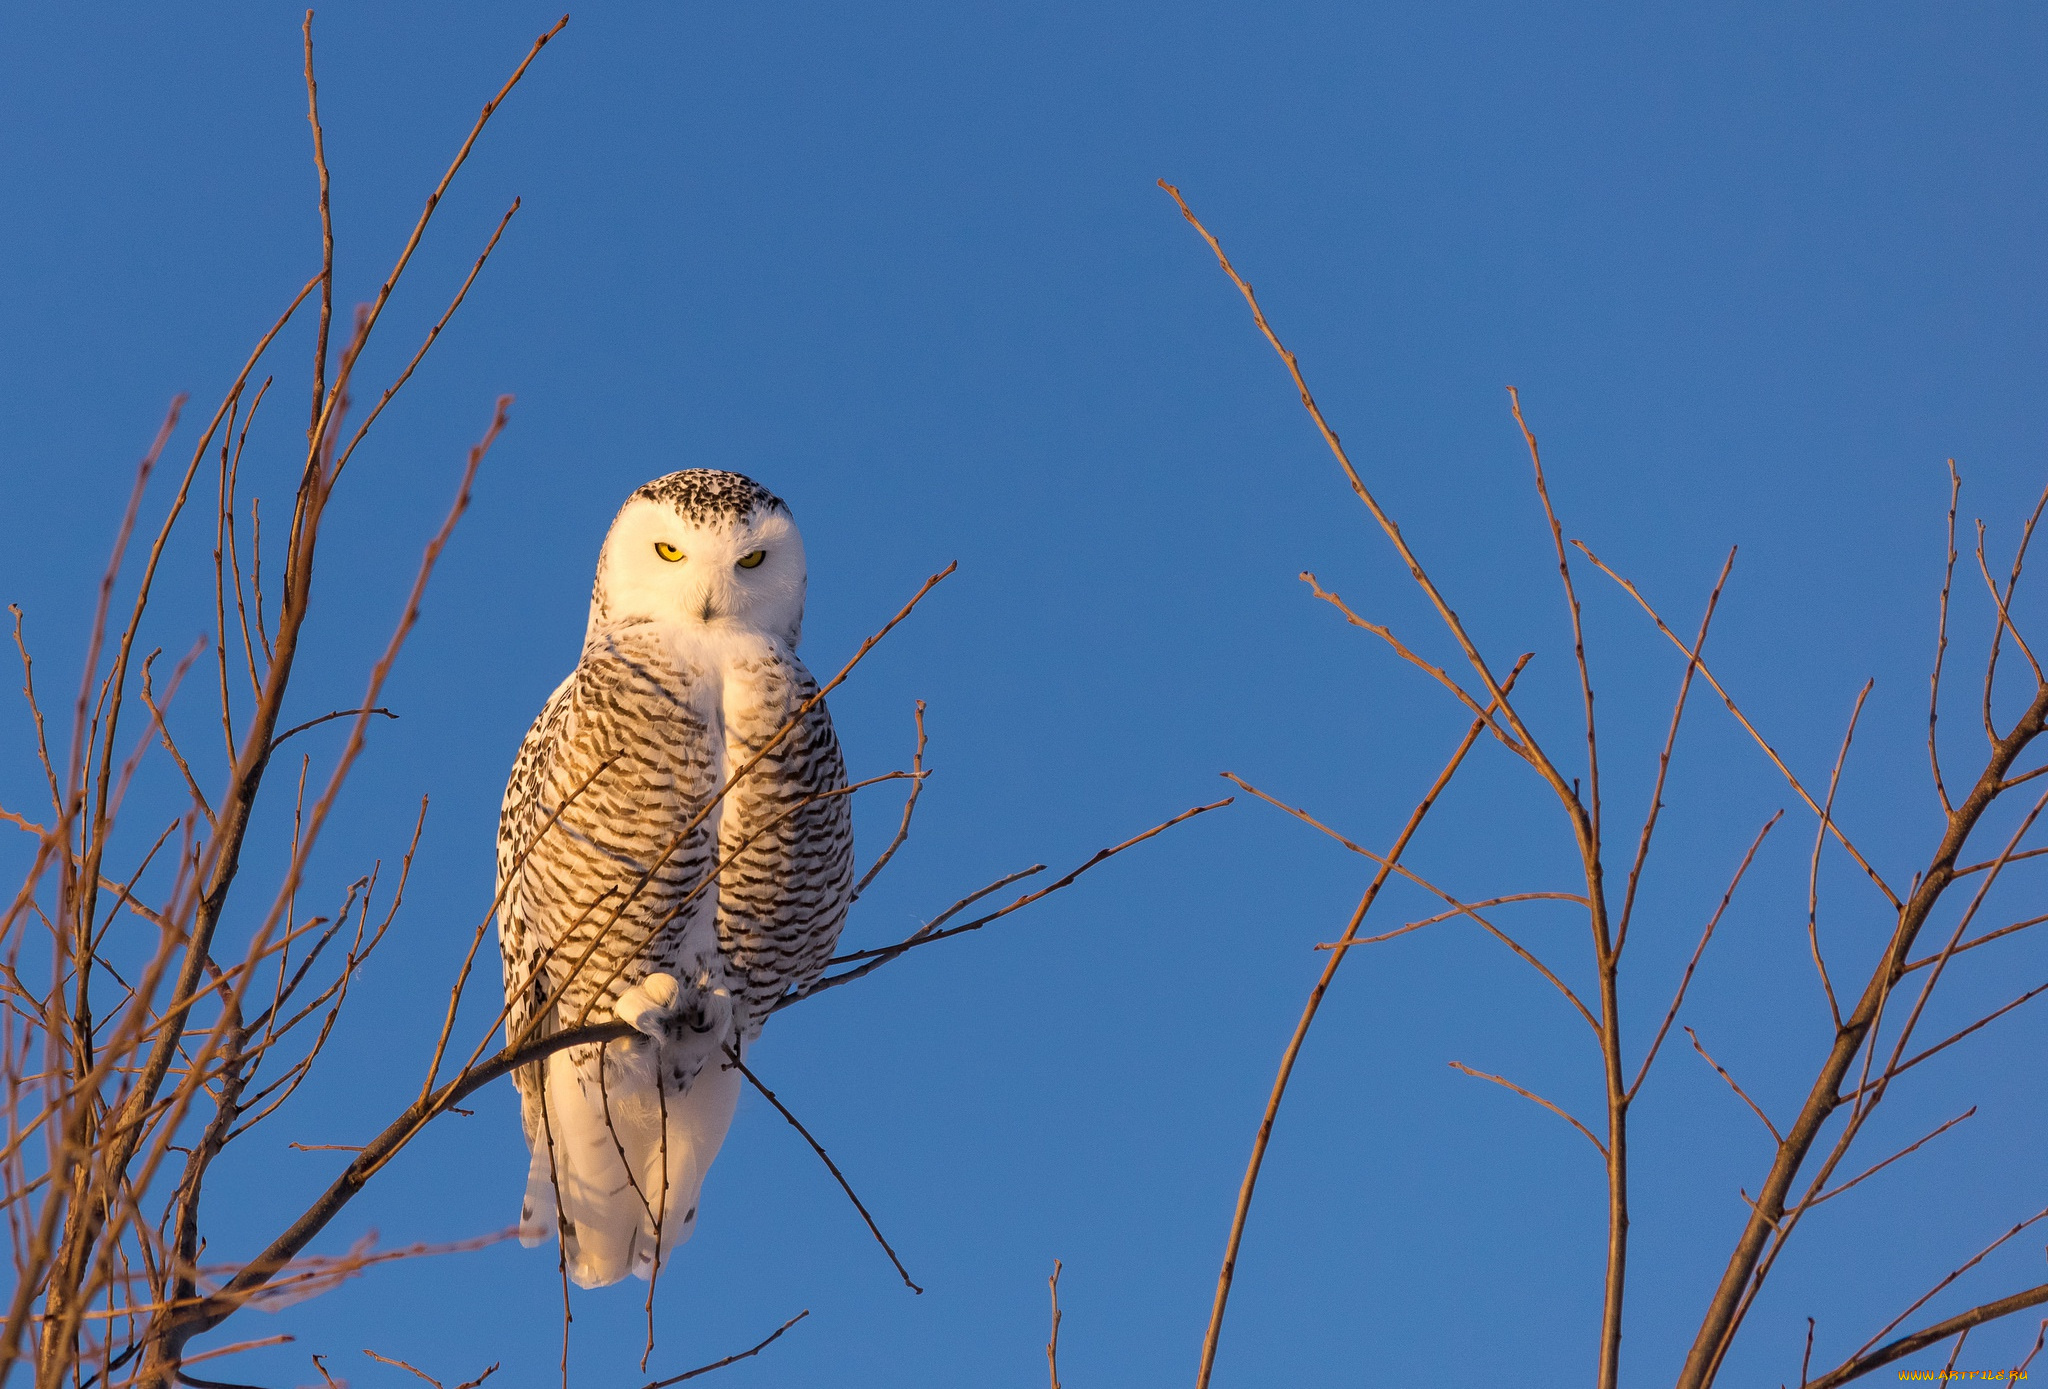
(1758, 270)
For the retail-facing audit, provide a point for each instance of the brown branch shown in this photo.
(926, 935)
(1052, 1346)
(432, 333)
(1820, 839)
(163, 730)
(1902, 1067)
(1635, 870)
(918, 775)
(337, 714)
(1427, 886)
(220, 852)
(1754, 1107)
(2023, 778)
(225, 539)
(1941, 964)
(1228, 1272)
(1948, 574)
(1974, 942)
(235, 1349)
(830, 1165)
(1571, 597)
(1998, 628)
(2003, 859)
(400, 1364)
(1531, 1095)
(326, 241)
(1879, 1167)
(2000, 601)
(251, 1278)
(1453, 915)
(28, 690)
(168, 1341)
(2040, 1339)
(1685, 980)
(1386, 635)
(1748, 727)
(1584, 832)
(773, 1336)
(1955, 1353)
(403, 1366)
(324, 424)
(1863, 1363)
(1527, 744)
(920, 933)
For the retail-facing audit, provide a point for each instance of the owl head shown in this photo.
(702, 549)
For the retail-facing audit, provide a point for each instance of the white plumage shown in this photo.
(628, 887)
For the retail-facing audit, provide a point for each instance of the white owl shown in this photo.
(628, 888)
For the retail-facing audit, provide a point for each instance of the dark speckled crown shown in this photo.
(708, 494)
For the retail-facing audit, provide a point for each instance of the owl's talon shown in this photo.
(717, 1012)
(647, 1005)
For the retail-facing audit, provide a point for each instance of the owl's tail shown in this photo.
(619, 1166)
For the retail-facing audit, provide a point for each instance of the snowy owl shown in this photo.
(628, 889)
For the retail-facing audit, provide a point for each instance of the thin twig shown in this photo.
(917, 774)
(1531, 1095)
(1386, 634)
(1879, 1167)
(1685, 981)
(385, 1359)
(1228, 1272)
(927, 935)
(1692, 663)
(1948, 574)
(432, 333)
(830, 1165)
(1052, 1346)
(1748, 727)
(337, 714)
(326, 242)
(1820, 839)
(1754, 1107)
(772, 1338)
(1463, 908)
(1453, 915)
(1904, 1066)
(1571, 596)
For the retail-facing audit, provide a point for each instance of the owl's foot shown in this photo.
(648, 1006)
(663, 1009)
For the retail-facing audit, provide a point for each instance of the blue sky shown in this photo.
(1757, 271)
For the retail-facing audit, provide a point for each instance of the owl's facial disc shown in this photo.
(739, 574)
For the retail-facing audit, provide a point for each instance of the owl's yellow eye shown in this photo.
(752, 559)
(668, 552)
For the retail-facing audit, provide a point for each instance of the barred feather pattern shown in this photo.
(598, 883)
(785, 838)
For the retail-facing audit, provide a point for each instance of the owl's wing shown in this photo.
(521, 943)
(605, 857)
(787, 844)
